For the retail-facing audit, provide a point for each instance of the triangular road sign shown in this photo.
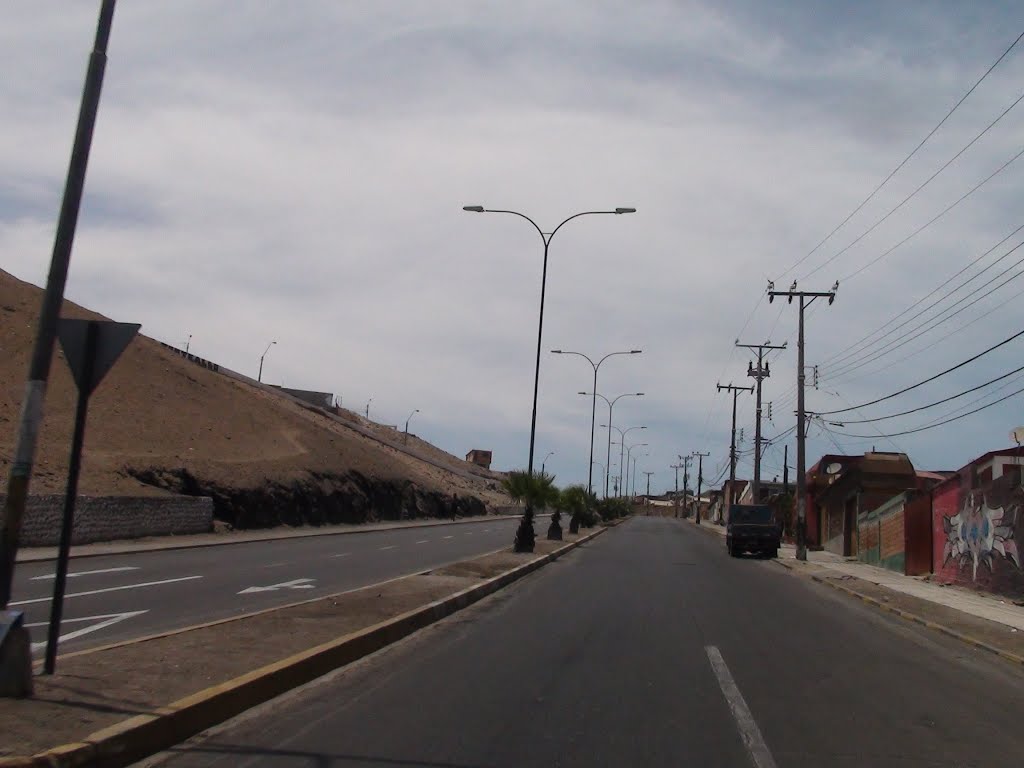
(109, 341)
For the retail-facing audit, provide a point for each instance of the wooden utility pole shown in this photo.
(700, 478)
(801, 416)
(759, 373)
(732, 445)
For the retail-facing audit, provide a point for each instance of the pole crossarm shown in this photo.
(759, 373)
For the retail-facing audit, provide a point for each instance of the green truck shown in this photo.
(752, 528)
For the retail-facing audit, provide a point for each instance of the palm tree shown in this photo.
(576, 501)
(538, 491)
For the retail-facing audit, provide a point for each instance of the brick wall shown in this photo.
(882, 536)
(107, 518)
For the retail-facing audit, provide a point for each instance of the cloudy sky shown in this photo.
(296, 170)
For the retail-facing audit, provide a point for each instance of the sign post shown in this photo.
(91, 347)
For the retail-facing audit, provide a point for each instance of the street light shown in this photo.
(188, 343)
(593, 408)
(543, 463)
(406, 423)
(635, 460)
(368, 408)
(621, 443)
(525, 535)
(629, 453)
(259, 378)
(611, 404)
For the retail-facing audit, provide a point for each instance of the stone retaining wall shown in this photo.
(108, 518)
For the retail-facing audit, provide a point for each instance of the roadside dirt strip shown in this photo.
(115, 705)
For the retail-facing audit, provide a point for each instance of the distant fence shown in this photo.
(202, 363)
(108, 518)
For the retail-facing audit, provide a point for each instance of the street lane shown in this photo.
(132, 595)
(648, 646)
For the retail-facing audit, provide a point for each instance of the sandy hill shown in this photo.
(160, 423)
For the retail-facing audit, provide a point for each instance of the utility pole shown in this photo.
(685, 465)
(801, 416)
(677, 467)
(700, 478)
(649, 485)
(785, 469)
(759, 373)
(732, 445)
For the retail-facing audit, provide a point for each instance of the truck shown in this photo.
(752, 528)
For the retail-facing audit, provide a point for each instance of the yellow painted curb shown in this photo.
(131, 740)
(932, 625)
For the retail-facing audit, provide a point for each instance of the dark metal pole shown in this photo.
(70, 494)
(593, 416)
(259, 376)
(608, 459)
(42, 353)
(757, 428)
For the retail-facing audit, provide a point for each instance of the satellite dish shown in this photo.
(835, 466)
(1017, 435)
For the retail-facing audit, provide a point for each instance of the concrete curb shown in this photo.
(158, 547)
(933, 625)
(144, 735)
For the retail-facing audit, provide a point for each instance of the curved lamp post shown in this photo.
(543, 463)
(635, 460)
(525, 534)
(611, 404)
(368, 408)
(629, 453)
(259, 377)
(407, 424)
(593, 407)
(622, 445)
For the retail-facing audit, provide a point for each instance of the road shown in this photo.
(119, 597)
(647, 647)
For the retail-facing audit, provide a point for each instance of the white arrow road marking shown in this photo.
(293, 584)
(104, 621)
(87, 573)
(107, 589)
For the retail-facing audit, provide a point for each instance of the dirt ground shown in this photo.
(156, 409)
(96, 689)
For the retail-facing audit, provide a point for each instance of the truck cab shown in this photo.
(752, 528)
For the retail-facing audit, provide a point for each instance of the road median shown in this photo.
(116, 705)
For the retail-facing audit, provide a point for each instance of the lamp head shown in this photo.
(473, 208)
(625, 210)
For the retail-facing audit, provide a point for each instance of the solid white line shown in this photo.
(425, 541)
(87, 573)
(343, 554)
(751, 734)
(108, 589)
(449, 537)
(390, 546)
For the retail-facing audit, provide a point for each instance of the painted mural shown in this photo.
(978, 533)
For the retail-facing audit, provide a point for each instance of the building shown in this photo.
(842, 488)
(976, 517)
(898, 534)
(480, 458)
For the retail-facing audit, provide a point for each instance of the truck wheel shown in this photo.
(774, 554)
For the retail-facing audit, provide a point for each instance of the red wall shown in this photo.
(975, 533)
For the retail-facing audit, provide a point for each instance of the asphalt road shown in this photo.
(647, 647)
(119, 597)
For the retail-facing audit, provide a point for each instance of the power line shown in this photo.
(930, 405)
(935, 322)
(892, 346)
(929, 379)
(927, 224)
(913, 194)
(848, 351)
(940, 423)
(905, 160)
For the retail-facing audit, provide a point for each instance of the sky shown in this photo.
(296, 172)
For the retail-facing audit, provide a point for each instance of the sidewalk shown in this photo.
(151, 543)
(832, 567)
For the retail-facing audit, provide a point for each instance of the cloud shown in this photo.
(297, 172)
